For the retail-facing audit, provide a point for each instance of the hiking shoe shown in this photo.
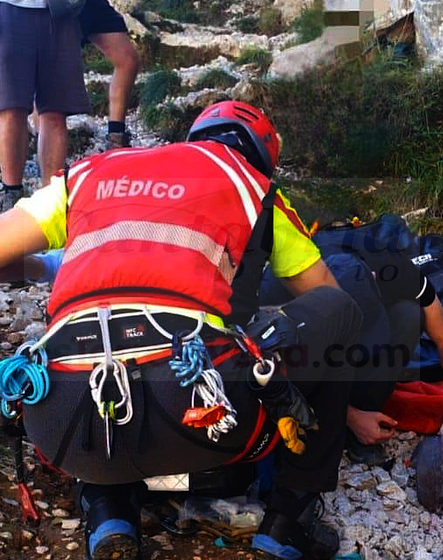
(118, 140)
(304, 538)
(8, 198)
(112, 531)
(371, 455)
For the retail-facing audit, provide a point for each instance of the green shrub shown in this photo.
(94, 61)
(270, 21)
(207, 13)
(179, 10)
(169, 121)
(247, 24)
(154, 90)
(158, 85)
(309, 24)
(216, 78)
(261, 58)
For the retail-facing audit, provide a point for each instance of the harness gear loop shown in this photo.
(211, 391)
(193, 366)
(23, 377)
(168, 335)
(109, 410)
(104, 314)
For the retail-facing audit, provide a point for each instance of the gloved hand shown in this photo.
(51, 262)
(288, 408)
(273, 329)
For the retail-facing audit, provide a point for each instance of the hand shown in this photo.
(370, 427)
(273, 329)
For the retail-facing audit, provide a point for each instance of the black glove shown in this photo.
(288, 408)
(273, 329)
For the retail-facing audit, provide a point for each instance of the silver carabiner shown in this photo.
(120, 375)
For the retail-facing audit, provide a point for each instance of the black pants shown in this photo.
(329, 326)
(376, 377)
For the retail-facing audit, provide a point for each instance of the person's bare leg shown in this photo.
(52, 144)
(119, 49)
(13, 144)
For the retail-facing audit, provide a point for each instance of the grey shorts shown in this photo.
(40, 59)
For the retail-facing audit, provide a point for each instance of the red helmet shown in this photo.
(249, 122)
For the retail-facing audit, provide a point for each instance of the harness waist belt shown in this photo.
(129, 329)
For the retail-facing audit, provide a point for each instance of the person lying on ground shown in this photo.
(398, 303)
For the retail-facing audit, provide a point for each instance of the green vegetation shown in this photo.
(216, 78)
(247, 24)
(353, 120)
(186, 11)
(309, 25)
(179, 10)
(170, 121)
(158, 86)
(94, 61)
(167, 119)
(99, 96)
(269, 21)
(260, 58)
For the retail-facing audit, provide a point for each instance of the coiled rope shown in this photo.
(189, 367)
(23, 377)
(194, 367)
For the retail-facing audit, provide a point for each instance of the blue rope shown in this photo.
(22, 379)
(189, 367)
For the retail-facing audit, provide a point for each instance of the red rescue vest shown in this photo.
(167, 226)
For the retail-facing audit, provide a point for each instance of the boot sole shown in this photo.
(116, 547)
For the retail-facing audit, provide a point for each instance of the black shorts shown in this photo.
(40, 59)
(98, 16)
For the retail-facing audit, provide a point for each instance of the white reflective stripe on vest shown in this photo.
(257, 187)
(168, 234)
(124, 151)
(80, 180)
(237, 181)
(77, 167)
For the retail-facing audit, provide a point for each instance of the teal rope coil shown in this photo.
(190, 366)
(22, 379)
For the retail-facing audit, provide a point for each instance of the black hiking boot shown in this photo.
(112, 523)
(303, 538)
